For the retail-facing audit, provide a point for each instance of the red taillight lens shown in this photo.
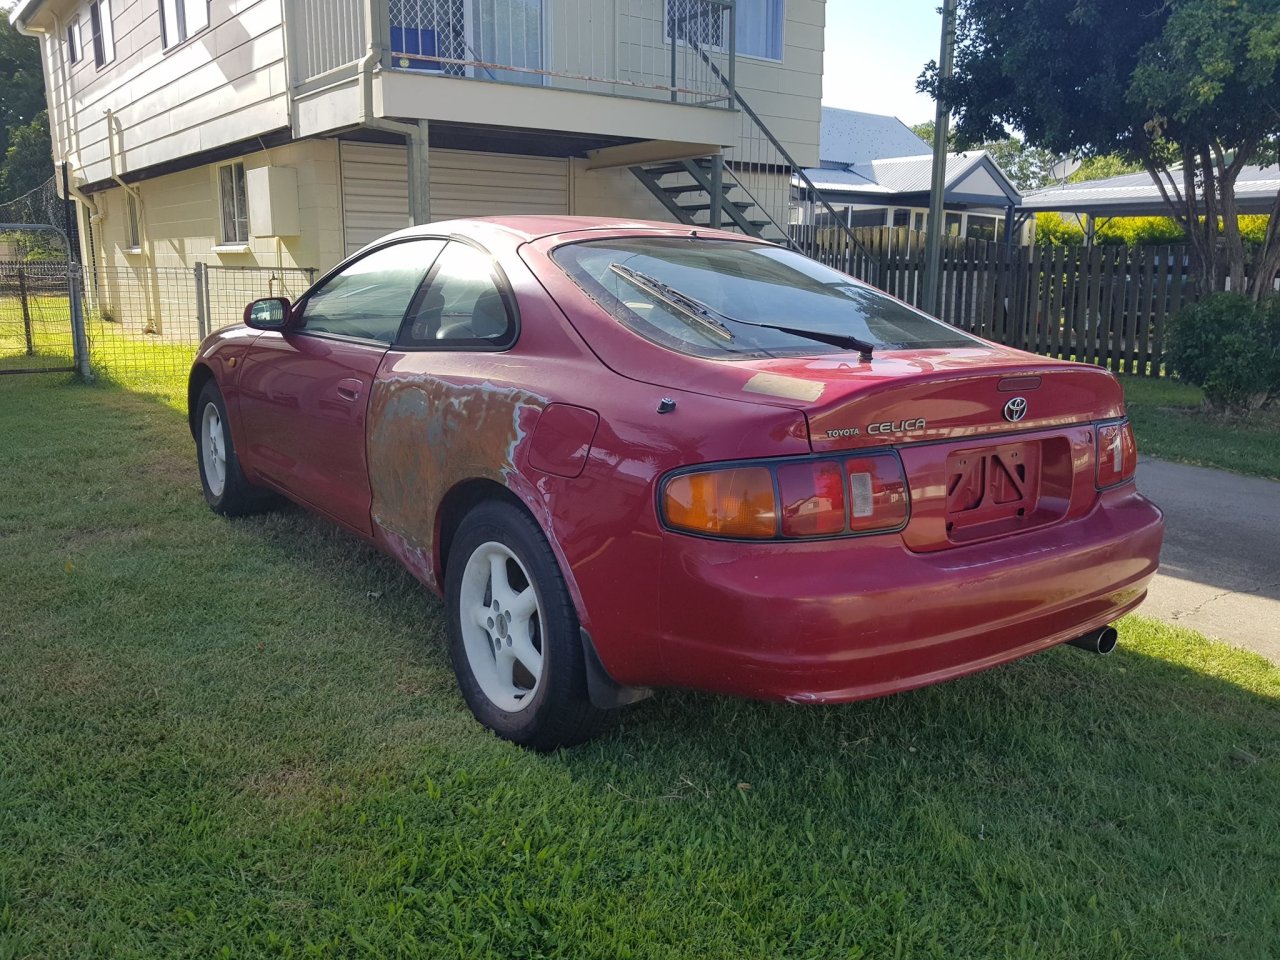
(725, 503)
(877, 493)
(813, 498)
(1117, 454)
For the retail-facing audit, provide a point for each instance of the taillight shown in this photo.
(738, 502)
(1117, 454)
(878, 493)
(789, 499)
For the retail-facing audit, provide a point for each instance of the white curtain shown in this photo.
(760, 28)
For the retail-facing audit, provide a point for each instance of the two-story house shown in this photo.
(291, 132)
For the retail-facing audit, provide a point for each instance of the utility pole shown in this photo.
(941, 128)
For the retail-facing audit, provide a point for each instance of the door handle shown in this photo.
(349, 389)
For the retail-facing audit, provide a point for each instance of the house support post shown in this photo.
(941, 124)
(419, 173)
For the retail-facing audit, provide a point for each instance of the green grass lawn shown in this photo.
(1171, 422)
(242, 738)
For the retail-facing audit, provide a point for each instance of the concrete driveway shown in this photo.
(1220, 569)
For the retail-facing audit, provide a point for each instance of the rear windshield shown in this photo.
(748, 282)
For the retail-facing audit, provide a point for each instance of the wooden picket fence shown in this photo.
(1104, 305)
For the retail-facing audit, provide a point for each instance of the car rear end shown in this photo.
(952, 548)
(962, 504)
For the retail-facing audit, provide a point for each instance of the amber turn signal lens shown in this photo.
(1117, 454)
(724, 503)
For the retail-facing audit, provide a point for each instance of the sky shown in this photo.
(875, 51)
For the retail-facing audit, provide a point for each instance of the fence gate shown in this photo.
(41, 308)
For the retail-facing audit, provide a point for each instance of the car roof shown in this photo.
(528, 228)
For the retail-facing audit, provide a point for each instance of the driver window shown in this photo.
(368, 299)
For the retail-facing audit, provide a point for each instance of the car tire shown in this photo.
(226, 489)
(514, 638)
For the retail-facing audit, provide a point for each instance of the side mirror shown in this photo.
(270, 313)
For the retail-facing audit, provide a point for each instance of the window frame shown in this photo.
(181, 30)
(668, 34)
(404, 344)
(296, 326)
(75, 41)
(102, 33)
(782, 38)
(225, 240)
(133, 223)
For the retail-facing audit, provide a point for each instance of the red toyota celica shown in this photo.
(633, 455)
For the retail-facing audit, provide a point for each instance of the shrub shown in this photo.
(1230, 347)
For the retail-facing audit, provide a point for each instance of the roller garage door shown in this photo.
(375, 187)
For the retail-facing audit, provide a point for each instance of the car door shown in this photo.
(304, 392)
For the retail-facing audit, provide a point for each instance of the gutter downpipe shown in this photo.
(415, 134)
(151, 296)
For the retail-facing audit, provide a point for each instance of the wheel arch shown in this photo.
(605, 692)
(201, 374)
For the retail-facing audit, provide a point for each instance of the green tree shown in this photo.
(22, 87)
(1183, 87)
(1103, 166)
(28, 162)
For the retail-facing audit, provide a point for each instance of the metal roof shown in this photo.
(1136, 195)
(850, 137)
(894, 176)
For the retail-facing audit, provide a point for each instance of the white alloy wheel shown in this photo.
(501, 627)
(213, 448)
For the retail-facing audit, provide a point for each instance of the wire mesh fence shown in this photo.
(35, 317)
(145, 323)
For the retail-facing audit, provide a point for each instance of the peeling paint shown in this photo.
(427, 434)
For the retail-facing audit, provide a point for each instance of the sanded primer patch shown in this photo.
(791, 388)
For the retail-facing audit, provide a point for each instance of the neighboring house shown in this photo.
(291, 132)
(875, 172)
(1136, 195)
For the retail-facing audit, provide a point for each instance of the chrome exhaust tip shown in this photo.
(1103, 640)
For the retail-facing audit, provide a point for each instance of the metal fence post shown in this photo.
(26, 312)
(202, 299)
(79, 338)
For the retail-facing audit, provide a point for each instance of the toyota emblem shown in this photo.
(1015, 409)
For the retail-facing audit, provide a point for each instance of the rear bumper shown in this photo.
(847, 620)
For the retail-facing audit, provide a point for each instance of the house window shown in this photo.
(74, 51)
(104, 41)
(760, 28)
(234, 203)
(981, 228)
(952, 224)
(133, 223)
(696, 22)
(917, 221)
(180, 19)
(702, 23)
(901, 218)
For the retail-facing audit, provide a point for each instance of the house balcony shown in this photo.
(595, 72)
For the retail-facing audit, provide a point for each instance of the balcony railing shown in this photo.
(638, 48)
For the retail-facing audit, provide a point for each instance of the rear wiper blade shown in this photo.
(715, 319)
(694, 309)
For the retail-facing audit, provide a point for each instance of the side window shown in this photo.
(74, 53)
(103, 30)
(368, 298)
(462, 304)
(234, 202)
